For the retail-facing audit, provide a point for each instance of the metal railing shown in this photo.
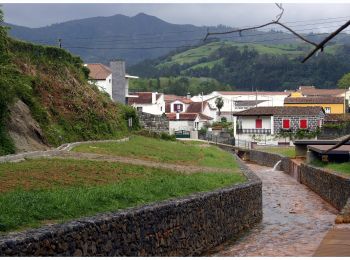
(254, 131)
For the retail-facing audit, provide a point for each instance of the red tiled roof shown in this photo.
(196, 107)
(182, 116)
(143, 98)
(280, 111)
(337, 118)
(314, 100)
(172, 98)
(98, 71)
(309, 91)
(202, 116)
(253, 92)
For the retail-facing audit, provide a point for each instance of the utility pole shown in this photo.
(202, 103)
(60, 43)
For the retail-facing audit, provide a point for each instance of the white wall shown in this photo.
(181, 125)
(104, 85)
(157, 108)
(248, 122)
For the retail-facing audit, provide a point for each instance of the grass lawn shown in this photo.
(285, 151)
(200, 154)
(342, 168)
(35, 192)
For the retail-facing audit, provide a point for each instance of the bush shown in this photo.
(166, 136)
(163, 136)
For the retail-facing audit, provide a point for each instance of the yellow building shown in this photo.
(331, 105)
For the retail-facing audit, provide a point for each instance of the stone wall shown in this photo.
(154, 123)
(178, 227)
(329, 133)
(331, 187)
(264, 158)
(313, 122)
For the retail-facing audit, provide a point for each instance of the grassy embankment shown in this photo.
(284, 151)
(342, 168)
(36, 192)
(184, 153)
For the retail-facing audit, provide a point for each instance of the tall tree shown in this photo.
(344, 81)
(219, 102)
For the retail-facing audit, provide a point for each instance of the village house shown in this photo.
(148, 102)
(267, 123)
(312, 91)
(235, 101)
(330, 104)
(187, 121)
(113, 80)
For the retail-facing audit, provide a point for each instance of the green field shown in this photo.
(164, 151)
(40, 191)
(342, 168)
(284, 151)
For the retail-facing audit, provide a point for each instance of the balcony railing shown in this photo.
(254, 131)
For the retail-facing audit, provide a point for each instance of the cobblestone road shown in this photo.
(294, 223)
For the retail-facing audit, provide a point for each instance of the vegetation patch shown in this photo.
(285, 151)
(342, 168)
(164, 151)
(41, 191)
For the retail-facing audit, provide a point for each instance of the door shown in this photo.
(258, 123)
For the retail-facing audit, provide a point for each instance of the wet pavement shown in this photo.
(294, 223)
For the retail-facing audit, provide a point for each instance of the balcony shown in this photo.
(254, 131)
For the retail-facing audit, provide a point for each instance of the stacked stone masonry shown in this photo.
(154, 123)
(179, 227)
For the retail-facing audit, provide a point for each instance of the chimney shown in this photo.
(177, 115)
(154, 97)
(188, 95)
(119, 83)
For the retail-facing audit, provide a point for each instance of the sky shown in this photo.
(313, 17)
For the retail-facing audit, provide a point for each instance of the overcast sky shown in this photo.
(238, 15)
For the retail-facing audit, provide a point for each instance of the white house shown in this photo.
(148, 102)
(186, 121)
(241, 100)
(101, 76)
(266, 124)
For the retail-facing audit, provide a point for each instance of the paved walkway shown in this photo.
(294, 223)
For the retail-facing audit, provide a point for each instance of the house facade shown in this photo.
(187, 121)
(148, 102)
(235, 101)
(330, 104)
(268, 123)
(113, 80)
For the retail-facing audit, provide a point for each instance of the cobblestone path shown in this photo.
(294, 223)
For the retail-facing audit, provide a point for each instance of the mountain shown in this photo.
(134, 38)
(247, 66)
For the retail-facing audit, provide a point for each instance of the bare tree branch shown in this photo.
(318, 46)
(321, 45)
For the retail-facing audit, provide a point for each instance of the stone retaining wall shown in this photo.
(178, 227)
(331, 187)
(154, 123)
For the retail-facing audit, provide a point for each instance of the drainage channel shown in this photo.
(294, 223)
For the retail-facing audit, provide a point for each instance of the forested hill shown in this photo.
(100, 39)
(251, 66)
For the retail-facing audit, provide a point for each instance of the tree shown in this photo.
(219, 102)
(344, 82)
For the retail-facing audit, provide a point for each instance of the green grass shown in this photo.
(57, 190)
(342, 168)
(164, 151)
(285, 151)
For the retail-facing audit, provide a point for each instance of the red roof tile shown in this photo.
(182, 116)
(314, 100)
(253, 92)
(280, 111)
(196, 107)
(98, 71)
(143, 98)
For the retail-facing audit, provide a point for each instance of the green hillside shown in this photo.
(53, 84)
(251, 65)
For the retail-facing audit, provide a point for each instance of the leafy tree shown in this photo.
(219, 102)
(344, 82)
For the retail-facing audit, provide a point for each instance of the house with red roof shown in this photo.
(148, 102)
(268, 123)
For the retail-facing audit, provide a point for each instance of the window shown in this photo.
(139, 109)
(161, 108)
(258, 123)
(196, 124)
(286, 123)
(303, 123)
(178, 107)
(327, 110)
